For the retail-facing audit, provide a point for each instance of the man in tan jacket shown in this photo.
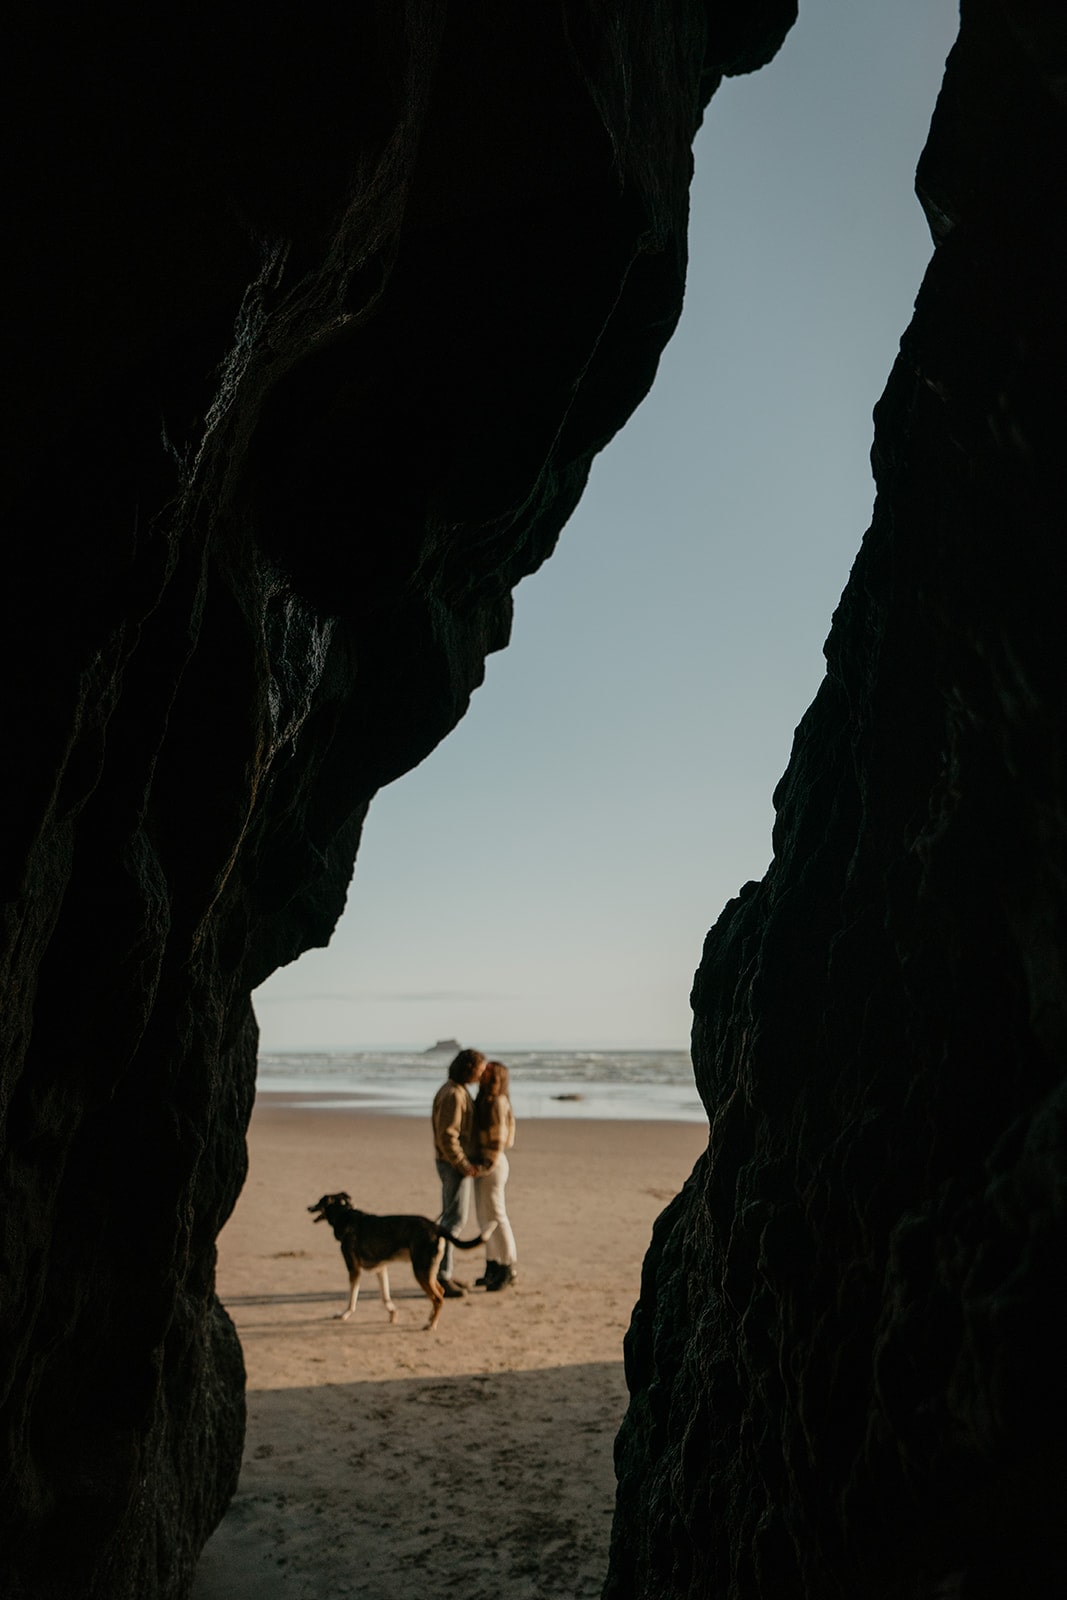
(453, 1144)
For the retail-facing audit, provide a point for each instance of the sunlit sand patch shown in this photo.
(373, 1450)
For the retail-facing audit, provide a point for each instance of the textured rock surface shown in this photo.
(847, 1365)
(250, 577)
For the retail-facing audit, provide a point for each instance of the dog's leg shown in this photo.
(354, 1275)
(425, 1263)
(438, 1302)
(427, 1281)
(383, 1284)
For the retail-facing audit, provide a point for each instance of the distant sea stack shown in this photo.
(319, 319)
(444, 1046)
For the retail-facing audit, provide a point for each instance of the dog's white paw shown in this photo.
(341, 1316)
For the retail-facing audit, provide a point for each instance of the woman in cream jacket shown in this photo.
(494, 1135)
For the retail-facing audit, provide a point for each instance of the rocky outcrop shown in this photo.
(846, 1364)
(317, 321)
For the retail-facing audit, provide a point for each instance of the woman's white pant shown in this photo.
(489, 1207)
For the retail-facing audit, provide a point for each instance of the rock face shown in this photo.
(317, 322)
(317, 326)
(846, 1365)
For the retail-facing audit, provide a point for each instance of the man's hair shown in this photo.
(465, 1065)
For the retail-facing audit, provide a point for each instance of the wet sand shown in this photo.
(393, 1464)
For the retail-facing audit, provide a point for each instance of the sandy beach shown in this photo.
(391, 1464)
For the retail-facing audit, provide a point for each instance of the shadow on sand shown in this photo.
(490, 1484)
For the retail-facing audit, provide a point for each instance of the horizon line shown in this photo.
(428, 1050)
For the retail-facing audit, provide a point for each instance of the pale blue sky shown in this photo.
(547, 875)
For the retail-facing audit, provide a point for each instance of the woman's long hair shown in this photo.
(494, 1082)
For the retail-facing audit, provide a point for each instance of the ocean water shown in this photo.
(647, 1085)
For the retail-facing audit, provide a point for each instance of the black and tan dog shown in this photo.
(372, 1242)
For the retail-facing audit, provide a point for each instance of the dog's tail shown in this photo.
(467, 1244)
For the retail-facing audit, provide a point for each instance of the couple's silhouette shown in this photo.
(471, 1140)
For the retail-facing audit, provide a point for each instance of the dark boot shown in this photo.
(504, 1277)
(488, 1278)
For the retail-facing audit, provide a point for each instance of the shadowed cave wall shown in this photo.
(846, 1365)
(315, 330)
(315, 325)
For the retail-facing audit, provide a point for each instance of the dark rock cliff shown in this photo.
(316, 321)
(847, 1366)
(315, 330)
